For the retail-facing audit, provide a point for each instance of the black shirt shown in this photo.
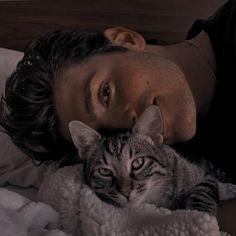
(215, 138)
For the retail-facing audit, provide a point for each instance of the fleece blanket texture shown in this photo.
(20, 216)
(83, 213)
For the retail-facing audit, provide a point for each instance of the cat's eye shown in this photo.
(138, 163)
(105, 172)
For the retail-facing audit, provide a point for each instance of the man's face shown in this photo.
(112, 90)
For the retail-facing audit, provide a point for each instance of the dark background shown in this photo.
(166, 20)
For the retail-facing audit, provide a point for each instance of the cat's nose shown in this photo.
(124, 191)
(124, 185)
(126, 195)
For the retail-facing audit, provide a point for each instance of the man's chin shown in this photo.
(179, 139)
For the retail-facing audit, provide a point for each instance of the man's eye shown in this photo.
(106, 93)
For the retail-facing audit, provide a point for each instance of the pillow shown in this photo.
(8, 61)
(15, 167)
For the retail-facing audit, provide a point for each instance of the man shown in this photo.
(106, 80)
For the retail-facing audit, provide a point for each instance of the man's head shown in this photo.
(28, 113)
(106, 80)
(110, 91)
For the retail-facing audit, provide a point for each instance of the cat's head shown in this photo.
(126, 167)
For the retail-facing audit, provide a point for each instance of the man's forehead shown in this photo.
(94, 62)
(70, 94)
(73, 72)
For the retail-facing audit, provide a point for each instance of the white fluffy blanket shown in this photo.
(82, 213)
(77, 211)
(21, 217)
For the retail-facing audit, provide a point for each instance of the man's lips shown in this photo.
(155, 102)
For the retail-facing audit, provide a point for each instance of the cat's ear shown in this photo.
(83, 137)
(150, 124)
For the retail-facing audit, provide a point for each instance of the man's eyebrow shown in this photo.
(88, 98)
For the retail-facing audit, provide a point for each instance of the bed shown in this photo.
(21, 21)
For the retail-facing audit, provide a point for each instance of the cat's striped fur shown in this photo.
(164, 179)
(130, 167)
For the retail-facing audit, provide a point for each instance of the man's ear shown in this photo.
(83, 137)
(150, 124)
(121, 36)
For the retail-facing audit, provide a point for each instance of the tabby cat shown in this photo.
(131, 167)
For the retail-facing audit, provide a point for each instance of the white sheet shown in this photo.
(22, 217)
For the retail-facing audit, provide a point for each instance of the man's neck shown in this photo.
(196, 60)
(198, 63)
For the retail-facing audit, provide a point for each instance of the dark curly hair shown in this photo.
(28, 114)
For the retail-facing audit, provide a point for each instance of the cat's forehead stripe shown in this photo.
(108, 147)
(114, 147)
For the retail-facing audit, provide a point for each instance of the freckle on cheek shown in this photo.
(147, 82)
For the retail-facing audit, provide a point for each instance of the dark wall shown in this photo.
(166, 20)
